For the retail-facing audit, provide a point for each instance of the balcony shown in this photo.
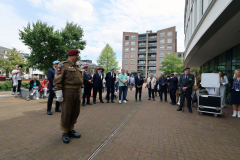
(152, 44)
(152, 64)
(141, 64)
(151, 70)
(152, 37)
(141, 51)
(141, 44)
(142, 58)
(141, 38)
(152, 50)
(150, 57)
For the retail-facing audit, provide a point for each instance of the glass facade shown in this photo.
(227, 62)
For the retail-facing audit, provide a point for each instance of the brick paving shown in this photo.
(154, 131)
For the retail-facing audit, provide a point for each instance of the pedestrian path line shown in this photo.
(114, 132)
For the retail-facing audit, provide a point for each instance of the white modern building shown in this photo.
(212, 35)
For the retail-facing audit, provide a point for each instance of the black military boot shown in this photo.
(65, 138)
(74, 134)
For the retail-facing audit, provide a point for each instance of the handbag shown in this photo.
(194, 99)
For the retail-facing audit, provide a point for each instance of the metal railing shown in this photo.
(152, 50)
(141, 51)
(142, 64)
(149, 57)
(141, 38)
(141, 57)
(142, 44)
(152, 37)
(152, 63)
(152, 44)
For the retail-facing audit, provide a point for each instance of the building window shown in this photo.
(132, 49)
(179, 55)
(162, 34)
(132, 67)
(162, 41)
(126, 62)
(126, 49)
(133, 37)
(169, 53)
(161, 54)
(126, 55)
(169, 48)
(161, 48)
(152, 68)
(169, 33)
(132, 55)
(125, 67)
(126, 43)
(126, 37)
(152, 62)
(161, 60)
(132, 61)
(169, 40)
(132, 43)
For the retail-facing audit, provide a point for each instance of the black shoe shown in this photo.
(160, 100)
(101, 101)
(179, 109)
(153, 99)
(190, 111)
(89, 103)
(107, 102)
(65, 138)
(94, 102)
(83, 104)
(149, 98)
(170, 102)
(57, 110)
(74, 134)
(126, 99)
(166, 101)
(112, 101)
(49, 112)
(173, 103)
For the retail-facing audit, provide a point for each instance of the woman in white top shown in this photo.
(223, 82)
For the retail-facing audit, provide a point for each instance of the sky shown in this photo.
(103, 21)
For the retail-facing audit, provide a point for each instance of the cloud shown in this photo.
(11, 23)
(35, 2)
(105, 21)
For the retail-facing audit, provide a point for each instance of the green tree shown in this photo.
(107, 59)
(14, 58)
(172, 64)
(47, 45)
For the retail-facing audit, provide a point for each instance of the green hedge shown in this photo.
(8, 84)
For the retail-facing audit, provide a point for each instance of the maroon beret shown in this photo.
(99, 68)
(72, 52)
(85, 67)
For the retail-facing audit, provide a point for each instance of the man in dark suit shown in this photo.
(173, 86)
(162, 81)
(186, 82)
(138, 84)
(50, 76)
(97, 81)
(87, 86)
(110, 81)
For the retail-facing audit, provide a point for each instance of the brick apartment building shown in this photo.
(145, 52)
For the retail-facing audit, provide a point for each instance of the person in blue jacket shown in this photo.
(162, 82)
(87, 86)
(173, 86)
(50, 76)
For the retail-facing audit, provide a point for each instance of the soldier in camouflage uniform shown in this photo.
(68, 82)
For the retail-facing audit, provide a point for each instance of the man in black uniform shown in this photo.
(97, 81)
(87, 86)
(110, 81)
(138, 85)
(186, 82)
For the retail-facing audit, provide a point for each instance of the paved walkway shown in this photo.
(153, 130)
